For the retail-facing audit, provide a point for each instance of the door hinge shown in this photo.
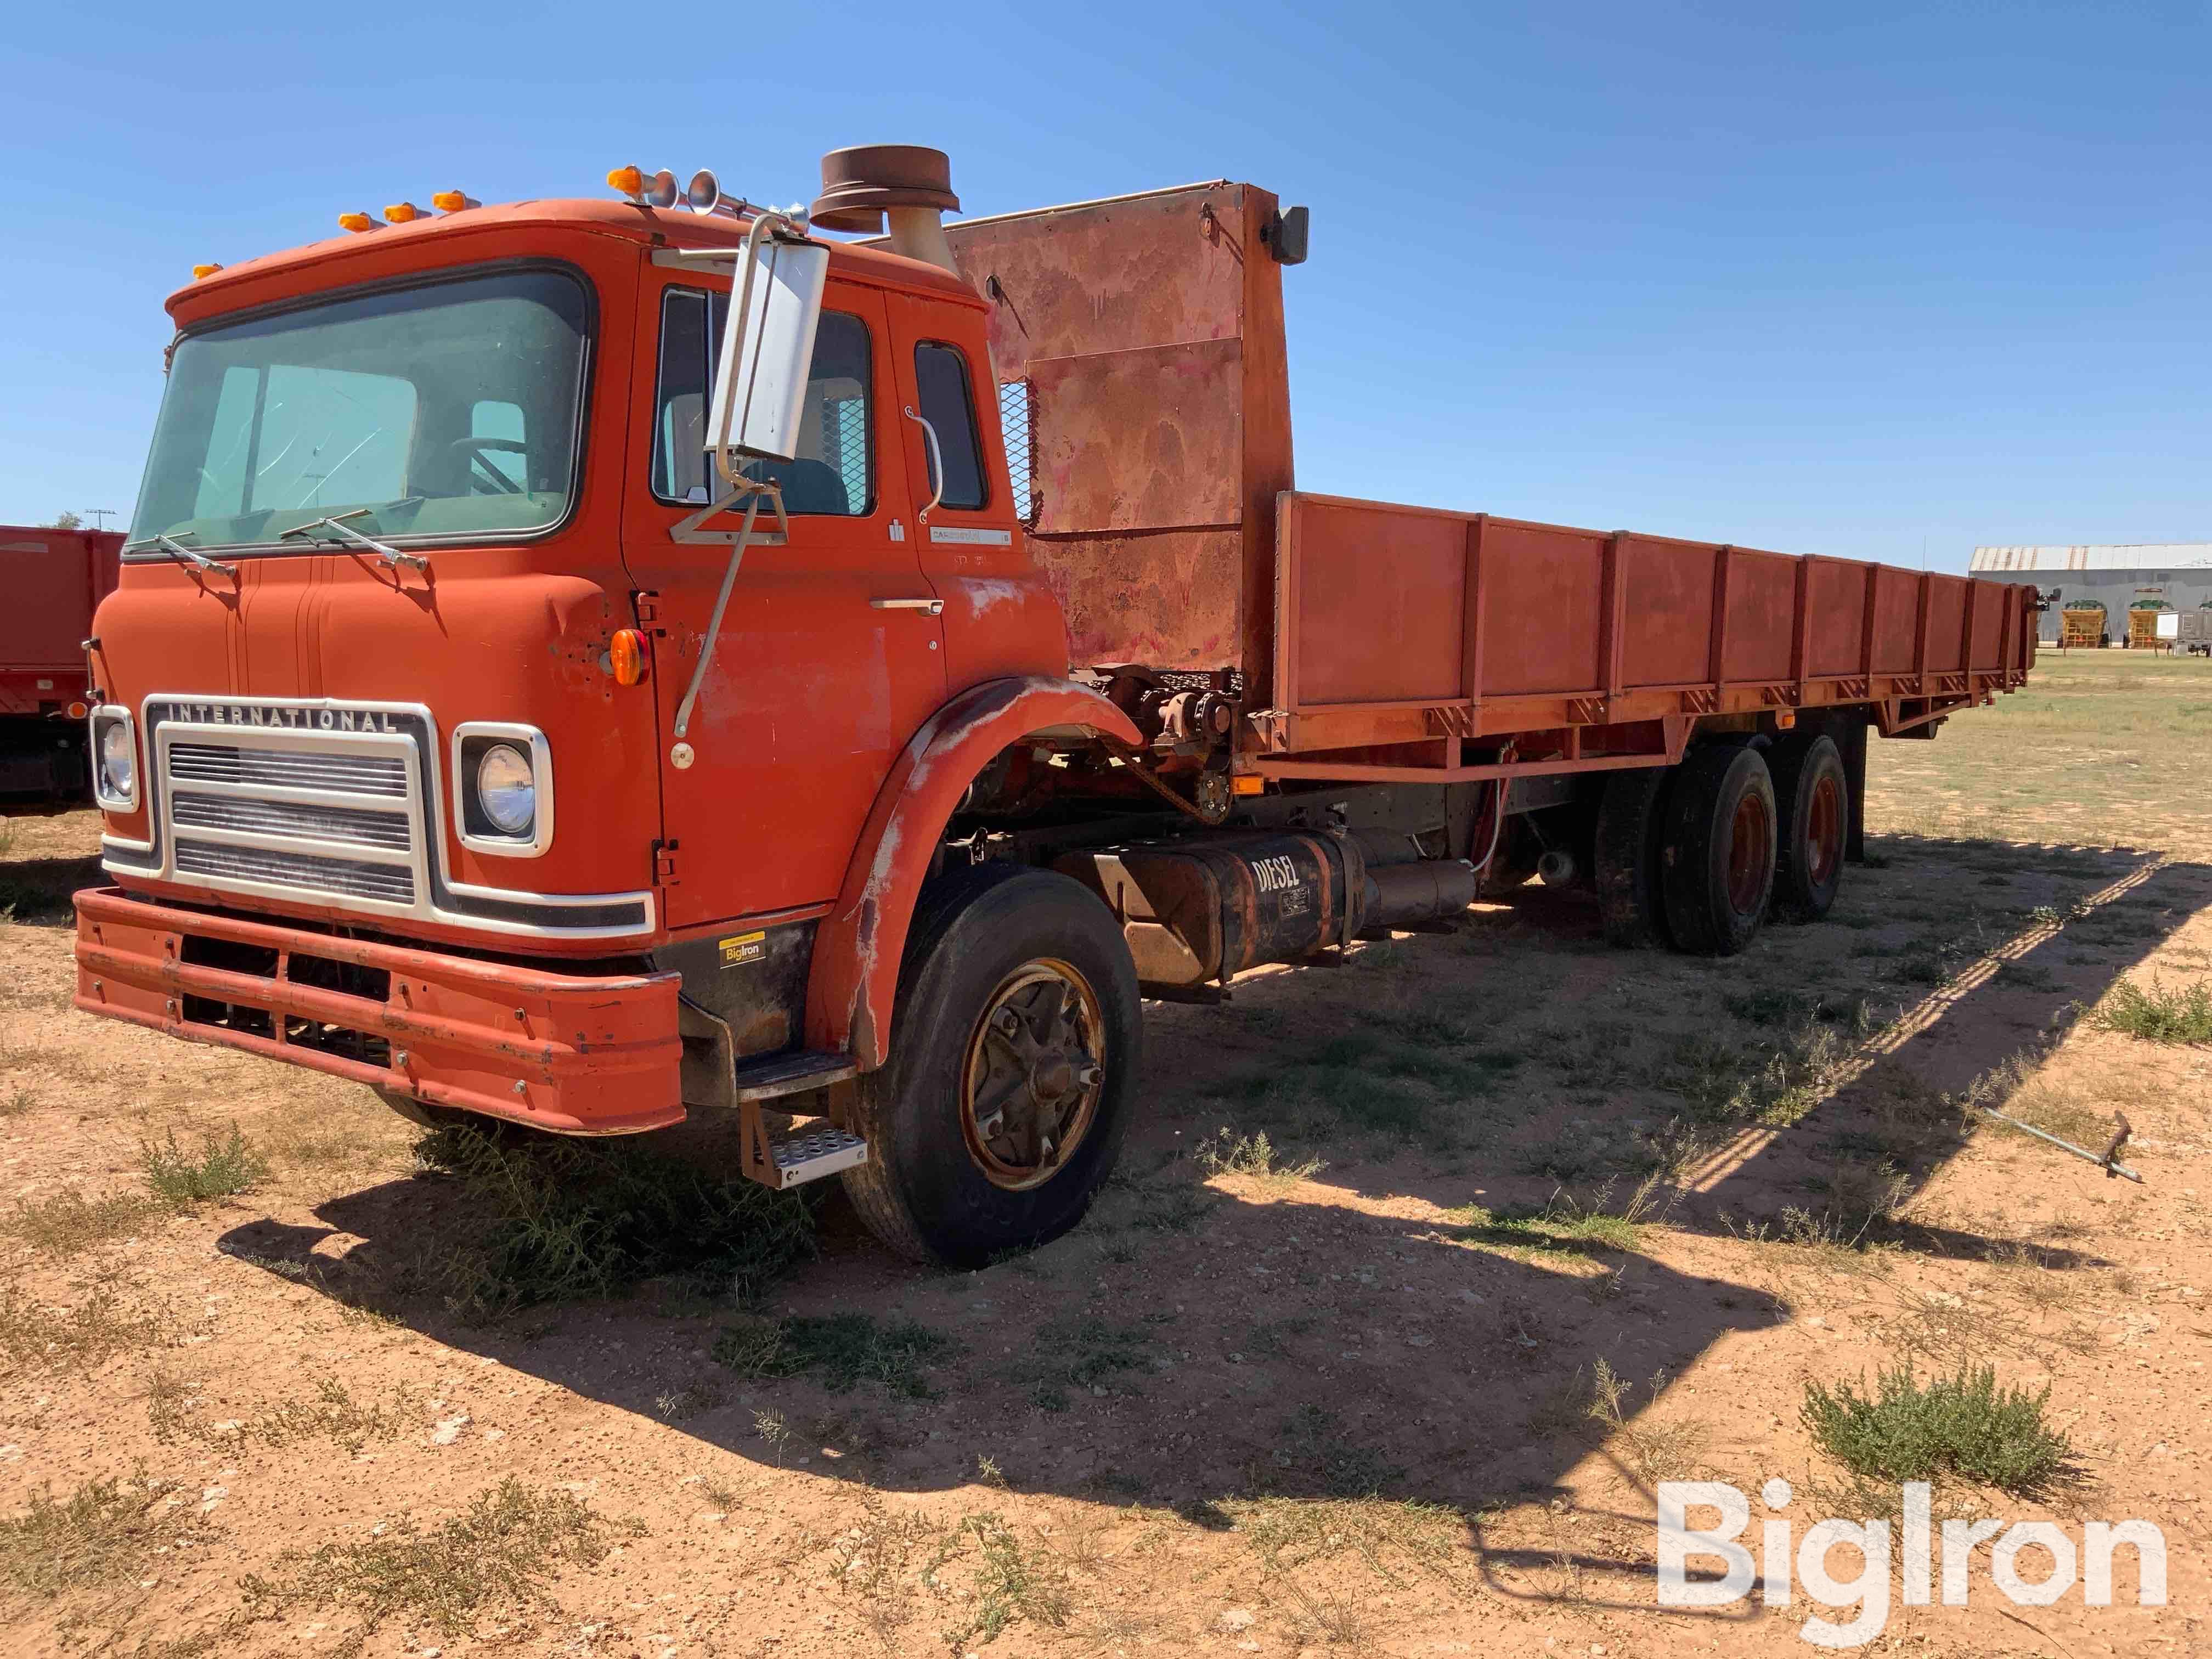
(646, 604)
(664, 864)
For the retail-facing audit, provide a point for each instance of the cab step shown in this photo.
(791, 1074)
(807, 1150)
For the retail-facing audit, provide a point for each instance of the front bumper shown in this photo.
(571, 1053)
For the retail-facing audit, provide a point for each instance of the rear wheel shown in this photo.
(1716, 850)
(1811, 798)
(1014, 1051)
(1627, 856)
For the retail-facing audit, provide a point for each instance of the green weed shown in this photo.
(844, 1350)
(569, 1219)
(2159, 1015)
(1909, 1430)
(223, 1167)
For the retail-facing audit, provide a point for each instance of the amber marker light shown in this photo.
(1248, 783)
(631, 181)
(199, 272)
(453, 201)
(626, 656)
(355, 222)
(401, 213)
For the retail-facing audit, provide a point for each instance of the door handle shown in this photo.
(931, 607)
(937, 462)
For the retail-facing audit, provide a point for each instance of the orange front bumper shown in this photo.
(572, 1053)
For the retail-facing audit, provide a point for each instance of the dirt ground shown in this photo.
(1537, 1225)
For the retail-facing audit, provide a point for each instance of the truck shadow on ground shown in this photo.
(1389, 1232)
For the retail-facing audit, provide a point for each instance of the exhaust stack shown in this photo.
(910, 183)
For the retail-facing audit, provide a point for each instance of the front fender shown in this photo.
(854, 983)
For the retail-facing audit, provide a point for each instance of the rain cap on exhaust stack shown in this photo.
(910, 183)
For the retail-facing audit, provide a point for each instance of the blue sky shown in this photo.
(1852, 282)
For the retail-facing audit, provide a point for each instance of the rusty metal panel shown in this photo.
(1946, 620)
(1169, 600)
(1540, 626)
(1836, 594)
(1762, 615)
(1374, 601)
(1987, 652)
(1896, 612)
(1139, 439)
(1667, 611)
(1151, 331)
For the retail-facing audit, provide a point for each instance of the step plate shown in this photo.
(791, 1074)
(809, 1153)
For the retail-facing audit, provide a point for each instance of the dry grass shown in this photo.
(69, 1223)
(35, 1334)
(500, 1554)
(99, 1533)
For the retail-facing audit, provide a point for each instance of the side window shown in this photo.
(832, 474)
(947, 404)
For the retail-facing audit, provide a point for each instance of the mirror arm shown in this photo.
(753, 490)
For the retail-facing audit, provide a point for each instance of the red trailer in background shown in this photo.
(52, 580)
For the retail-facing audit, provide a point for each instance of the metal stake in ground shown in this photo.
(2108, 1160)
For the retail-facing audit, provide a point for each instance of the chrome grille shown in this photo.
(384, 775)
(337, 814)
(354, 877)
(390, 830)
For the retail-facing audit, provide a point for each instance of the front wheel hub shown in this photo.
(1034, 1071)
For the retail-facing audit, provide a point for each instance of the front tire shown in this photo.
(1717, 849)
(1013, 1061)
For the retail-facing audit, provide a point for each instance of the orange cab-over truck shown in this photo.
(584, 662)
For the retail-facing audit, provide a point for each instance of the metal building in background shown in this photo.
(2133, 586)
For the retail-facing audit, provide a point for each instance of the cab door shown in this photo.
(1001, 615)
(830, 654)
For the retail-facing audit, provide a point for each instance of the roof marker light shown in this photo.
(401, 213)
(654, 190)
(453, 201)
(199, 272)
(357, 223)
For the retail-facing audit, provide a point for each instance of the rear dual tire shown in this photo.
(1811, 798)
(1716, 848)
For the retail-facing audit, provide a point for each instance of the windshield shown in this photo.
(447, 408)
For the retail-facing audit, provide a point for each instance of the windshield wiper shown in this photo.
(391, 555)
(193, 556)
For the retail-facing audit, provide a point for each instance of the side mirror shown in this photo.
(767, 349)
(1285, 234)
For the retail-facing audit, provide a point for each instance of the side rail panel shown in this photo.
(1397, 624)
(854, 979)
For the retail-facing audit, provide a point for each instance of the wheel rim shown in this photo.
(1748, 857)
(1035, 1069)
(1824, 830)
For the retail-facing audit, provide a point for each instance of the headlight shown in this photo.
(119, 762)
(507, 789)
